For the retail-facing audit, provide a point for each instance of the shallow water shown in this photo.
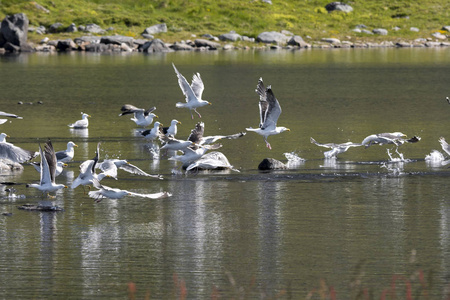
(248, 233)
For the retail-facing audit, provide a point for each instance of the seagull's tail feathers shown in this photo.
(180, 104)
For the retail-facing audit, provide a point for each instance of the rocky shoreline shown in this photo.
(14, 30)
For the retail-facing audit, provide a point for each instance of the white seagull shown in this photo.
(193, 92)
(269, 112)
(8, 115)
(448, 99)
(47, 170)
(113, 193)
(171, 143)
(197, 135)
(335, 148)
(81, 124)
(172, 129)
(396, 138)
(14, 153)
(445, 146)
(110, 167)
(66, 155)
(87, 171)
(141, 117)
(193, 153)
(153, 133)
(212, 161)
(59, 167)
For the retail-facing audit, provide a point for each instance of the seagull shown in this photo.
(47, 170)
(335, 148)
(110, 166)
(81, 124)
(448, 99)
(141, 117)
(269, 111)
(87, 171)
(8, 115)
(197, 137)
(396, 138)
(193, 92)
(153, 133)
(14, 153)
(66, 155)
(193, 153)
(445, 146)
(172, 129)
(210, 161)
(171, 143)
(113, 193)
(59, 167)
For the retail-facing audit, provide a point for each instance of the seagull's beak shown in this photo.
(75, 145)
(209, 103)
(179, 122)
(65, 165)
(288, 129)
(161, 124)
(156, 116)
(65, 187)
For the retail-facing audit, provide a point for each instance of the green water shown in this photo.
(238, 234)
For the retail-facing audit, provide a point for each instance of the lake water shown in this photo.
(345, 226)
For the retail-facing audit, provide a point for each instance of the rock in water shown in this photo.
(14, 30)
(271, 164)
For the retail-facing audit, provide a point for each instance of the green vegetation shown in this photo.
(246, 17)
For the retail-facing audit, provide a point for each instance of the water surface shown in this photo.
(246, 233)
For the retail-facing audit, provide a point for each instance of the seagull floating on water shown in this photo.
(68, 154)
(8, 115)
(81, 124)
(113, 193)
(14, 153)
(335, 148)
(141, 117)
(269, 111)
(193, 92)
(47, 170)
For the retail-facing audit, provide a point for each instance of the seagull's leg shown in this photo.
(267, 144)
(197, 112)
(192, 116)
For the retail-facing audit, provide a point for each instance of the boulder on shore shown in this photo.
(154, 46)
(14, 30)
(272, 37)
(158, 28)
(340, 6)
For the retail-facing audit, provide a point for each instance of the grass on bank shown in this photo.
(246, 17)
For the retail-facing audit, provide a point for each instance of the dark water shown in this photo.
(351, 223)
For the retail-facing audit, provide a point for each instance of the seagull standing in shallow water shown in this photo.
(269, 112)
(66, 155)
(192, 92)
(141, 117)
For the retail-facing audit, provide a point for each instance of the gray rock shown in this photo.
(14, 29)
(439, 35)
(396, 28)
(181, 47)
(147, 36)
(66, 45)
(287, 32)
(208, 36)
(228, 47)
(54, 28)
(446, 28)
(271, 164)
(41, 30)
(340, 6)
(154, 46)
(97, 48)
(414, 29)
(87, 39)
(126, 48)
(72, 28)
(380, 31)
(205, 43)
(81, 28)
(357, 30)
(110, 29)
(248, 39)
(40, 7)
(331, 40)
(366, 31)
(231, 36)
(298, 41)
(94, 28)
(272, 37)
(403, 45)
(11, 47)
(117, 40)
(361, 26)
(267, 1)
(158, 28)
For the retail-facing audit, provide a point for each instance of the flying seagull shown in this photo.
(396, 138)
(197, 135)
(14, 153)
(193, 92)
(269, 112)
(113, 193)
(110, 167)
(87, 171)
(81, 124)
(335, 148)
(47, 170)
(141, 116)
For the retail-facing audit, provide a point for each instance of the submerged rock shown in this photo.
(271, 164)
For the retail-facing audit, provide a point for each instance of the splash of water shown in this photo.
(436, 159)
(400, 157)
(293, 160)
(393, 171)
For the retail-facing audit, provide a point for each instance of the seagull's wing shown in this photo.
(50, 156)
(96, 158)
(197, 85)
(445, 146)
(197, 133)
(5, 114)
(16, 154)
(129, 109)
(273, 110)
(263, 104)
(61, 155)
(329, 145)
(108, 168)
(45, 170)
(184, 85)
(149, 111)
(151, 196)
(135, 170)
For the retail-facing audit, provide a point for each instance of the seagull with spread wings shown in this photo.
(47, 170)
(87, 171)
(141, 116)
(193, 92)
(335, 148)
(14, 153)
(269, 112)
